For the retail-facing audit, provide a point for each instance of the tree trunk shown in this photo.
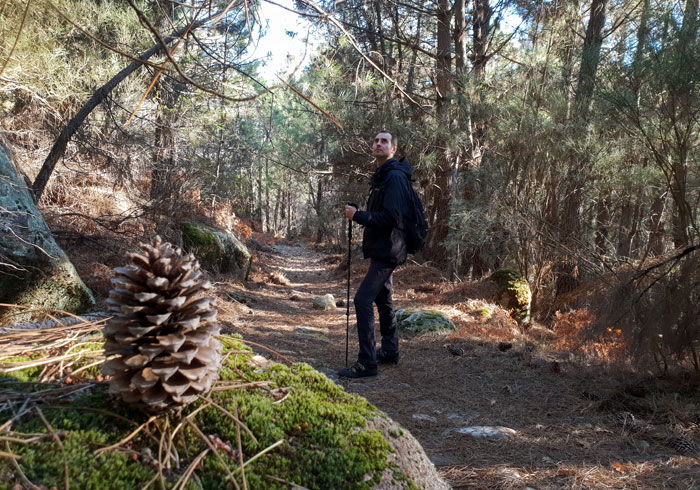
(629, 223)
(656, 244)
(441, 195)
(570, 223)
(602, 221)
(680, 100)
(460, 36)
(590, 59)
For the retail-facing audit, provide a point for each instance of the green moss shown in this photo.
(396, 432)
(193, 235)
(32, 374)
(23, 375)
(423, 321)
(400, 476)
(216, 250)
(514, 292)
(486, 313)
(325, 442)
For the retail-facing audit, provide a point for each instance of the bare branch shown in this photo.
(100, 94)
(163, 46)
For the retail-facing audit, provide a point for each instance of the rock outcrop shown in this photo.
(34, 271)
(325, 302)
(216, 250)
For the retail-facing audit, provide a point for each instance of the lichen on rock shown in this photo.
(416, 321)
(34, 271)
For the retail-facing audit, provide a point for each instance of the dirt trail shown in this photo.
(563, 438)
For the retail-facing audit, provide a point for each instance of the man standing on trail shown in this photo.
(384, 243)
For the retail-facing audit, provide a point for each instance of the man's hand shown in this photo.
(349, 211)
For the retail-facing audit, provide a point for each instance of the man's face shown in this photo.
(382, 149)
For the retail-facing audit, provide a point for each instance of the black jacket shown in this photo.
(383, 238)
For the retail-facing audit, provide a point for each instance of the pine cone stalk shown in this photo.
(162, 331)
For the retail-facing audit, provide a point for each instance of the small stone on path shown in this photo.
(487, 432)
(320, 334)
(326, 302)
(422, 416)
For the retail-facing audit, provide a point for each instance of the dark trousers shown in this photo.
(376, 288)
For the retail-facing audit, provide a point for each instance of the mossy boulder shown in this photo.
(34, 270)
(415, 321)
(216, 250)
(300, 429)
(513, 293)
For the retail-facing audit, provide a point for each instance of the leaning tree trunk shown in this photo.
(59, 147)
(473, 262)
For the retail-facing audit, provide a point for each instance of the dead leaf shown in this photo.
(619, 467)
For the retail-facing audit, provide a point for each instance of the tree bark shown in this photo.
(570, 223)
(656, 235)
(680, 101)
(441, 195)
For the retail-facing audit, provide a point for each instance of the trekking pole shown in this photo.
(347, 302)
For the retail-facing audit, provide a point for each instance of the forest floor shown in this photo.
(576, 423)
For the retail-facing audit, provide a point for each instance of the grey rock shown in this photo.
(487, 432)
(318, 334)
(406, 457)
(326, 302)
(34, 270)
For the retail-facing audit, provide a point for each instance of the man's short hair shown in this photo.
(394, 139)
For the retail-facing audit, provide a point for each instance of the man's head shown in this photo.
(384, 147)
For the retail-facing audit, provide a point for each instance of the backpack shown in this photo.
(415, 224)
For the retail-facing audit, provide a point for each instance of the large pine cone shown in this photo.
(162, 331)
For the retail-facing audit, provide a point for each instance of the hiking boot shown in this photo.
(386, 357)
(358, 370)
